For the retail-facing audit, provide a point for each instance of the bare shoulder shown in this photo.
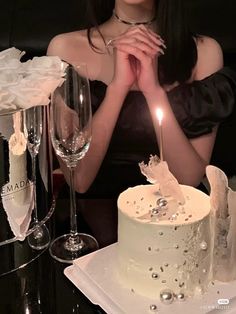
(74, 48)
(210, 57)
(70, 47)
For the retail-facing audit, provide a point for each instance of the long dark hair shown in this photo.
(181, 54)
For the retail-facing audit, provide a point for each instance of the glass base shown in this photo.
(39, 238)
(66, 248)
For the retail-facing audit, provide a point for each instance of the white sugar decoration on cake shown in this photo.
(223, 204)
(157, 171)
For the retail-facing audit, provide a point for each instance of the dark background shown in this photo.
(30, 24)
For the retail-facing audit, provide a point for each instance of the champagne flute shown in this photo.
(40, 237)
(70, 128)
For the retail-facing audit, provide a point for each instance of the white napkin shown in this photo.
(18, 207)
(157, 171)
(17, 194)
(223, 206)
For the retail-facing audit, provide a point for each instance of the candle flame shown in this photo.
(159, 114)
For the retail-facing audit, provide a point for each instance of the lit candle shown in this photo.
(159, 114)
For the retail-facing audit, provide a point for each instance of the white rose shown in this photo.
(46, 65)
(43, 82)
(6, 100)
(9, 77)
(28, 84)
(26, 97)
(11, 53)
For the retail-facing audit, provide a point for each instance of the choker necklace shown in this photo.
(132, 23)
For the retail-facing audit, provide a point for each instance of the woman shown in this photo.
(140, 58)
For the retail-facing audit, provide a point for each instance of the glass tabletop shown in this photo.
(41, 286)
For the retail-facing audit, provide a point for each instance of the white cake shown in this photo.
(171, 250)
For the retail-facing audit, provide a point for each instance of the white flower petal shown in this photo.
(28, 84)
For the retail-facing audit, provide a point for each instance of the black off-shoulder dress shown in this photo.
(198, 107)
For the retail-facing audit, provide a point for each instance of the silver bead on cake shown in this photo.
(153, 308)
(203, 245)
(180, 296)
(155, 211)
(167, 296)
(162, 202)
(155, 275)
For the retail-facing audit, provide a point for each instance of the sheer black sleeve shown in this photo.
(200, 105)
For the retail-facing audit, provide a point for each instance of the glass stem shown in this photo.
(34, 188)
(73, 215)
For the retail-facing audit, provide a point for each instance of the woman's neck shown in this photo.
(132, 22)
(128, 12)
(133, 13)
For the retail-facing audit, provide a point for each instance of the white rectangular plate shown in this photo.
(95, 275)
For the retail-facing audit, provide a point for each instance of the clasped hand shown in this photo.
(136, 58)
